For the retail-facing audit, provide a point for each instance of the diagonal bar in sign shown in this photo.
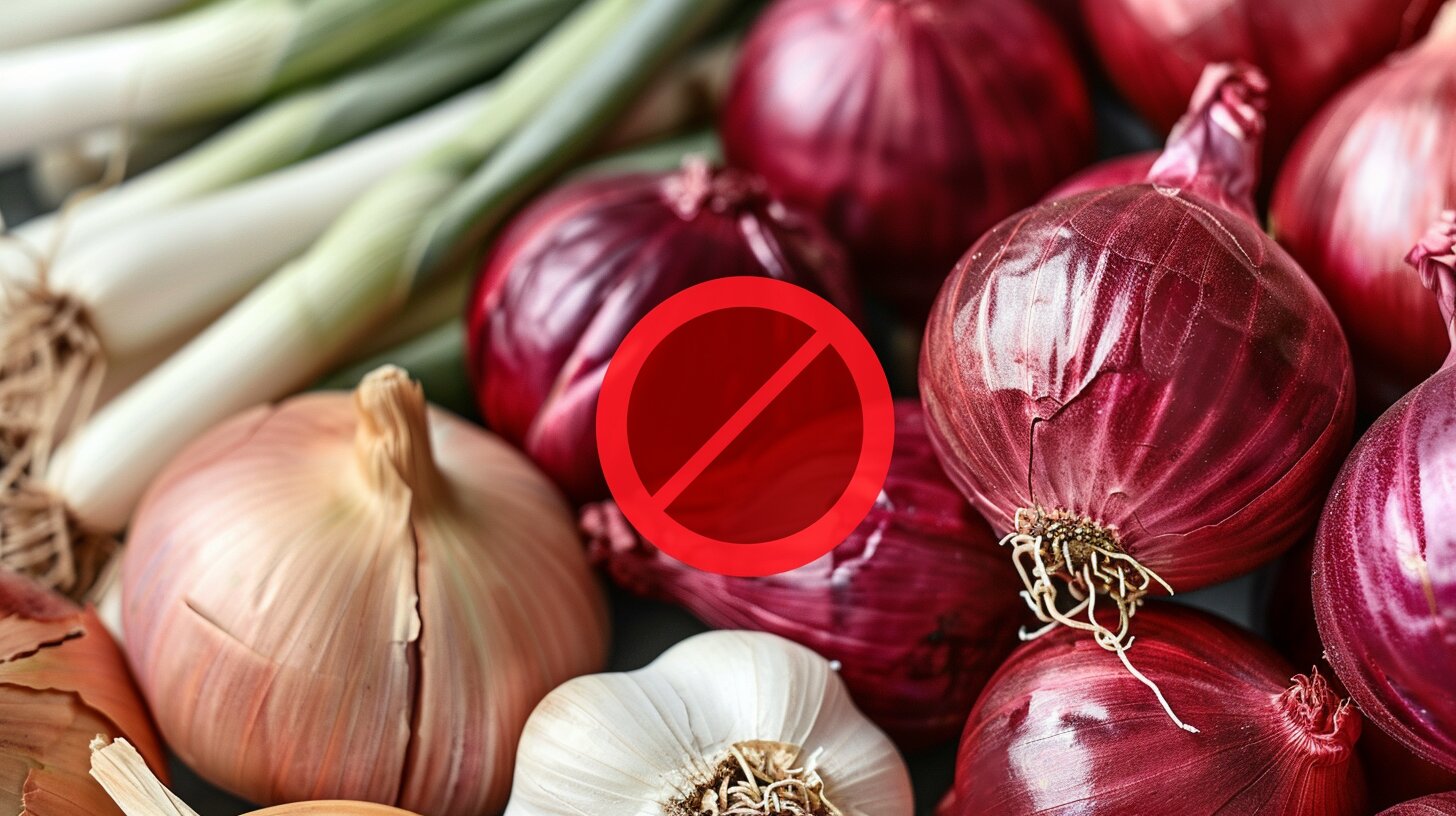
(739, 422)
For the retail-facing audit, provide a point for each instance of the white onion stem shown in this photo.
(165, 276)
(203, 63)
(29, 22)
(463, 47)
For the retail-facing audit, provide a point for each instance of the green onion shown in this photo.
(397, 239)
(27, 22)
(203, 63)
(463, 47)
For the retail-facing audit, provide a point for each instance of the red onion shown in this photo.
(909, 604)
(1395, 774)
(1365, 181)
(1385, 555)
(1443, 804)
(907, 126)
(1061, 728)
(1155, 50)
(577, 270)
(1137, 382)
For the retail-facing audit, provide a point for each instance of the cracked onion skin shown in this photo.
(1155, 50)
(1385, 554)
(908, 127)
(1062, 728)
(62, 681)
(356, 597)
(1365, 181)
(911, 605)
(577, 270)
(1146, 357)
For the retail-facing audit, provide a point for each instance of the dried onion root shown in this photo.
(1050, 545)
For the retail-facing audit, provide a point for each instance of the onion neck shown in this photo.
(699, 186)
(1214, 149)
(1434, 256)
(392, 442)
(1323, 724)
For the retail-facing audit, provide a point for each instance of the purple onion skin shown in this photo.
(1062, 727)
(1385, 571)
(907, 126)
(1441, 804)
(1364, 182)
(1146, 357)
(580, 267)
(1155, 50)
(1181, 378)
(912, 604)
(1116, 172)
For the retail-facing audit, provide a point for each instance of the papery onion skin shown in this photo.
(908, 128)
(1366, 179)
(1063, 728)
(1155, 50)
(62, 681)
(356, 597)
(576, 271)
(1144, 357)
(1385, 554)
(911, 606)
(1442, 804)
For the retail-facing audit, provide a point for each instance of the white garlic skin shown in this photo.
(627, 744)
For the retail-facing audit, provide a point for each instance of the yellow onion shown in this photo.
(138, 792)
(364, 598)
(62, 682)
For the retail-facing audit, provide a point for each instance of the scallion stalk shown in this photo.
(203, 63)
(436, 359)
(28, 22)
(395, 240)
(463, 47)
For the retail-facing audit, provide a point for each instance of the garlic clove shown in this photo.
(713, 723)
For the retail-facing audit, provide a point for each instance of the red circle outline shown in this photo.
(768, 557)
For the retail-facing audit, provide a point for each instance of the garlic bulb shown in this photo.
(62, 682)
(121, 771)
(338, 598)
(737, 723)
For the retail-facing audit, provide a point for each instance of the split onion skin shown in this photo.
(356, 597)
(579, 268)
(1441, 804)
(1155, 50)
(62, 681)
(1063, 728)
(911, 606)
(1142, 356)
(907, 127)
(1385, 554)
(1366, 179)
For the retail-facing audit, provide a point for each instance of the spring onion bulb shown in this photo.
(462, 47)
(138, 792)
(396, 239)
(159, 280)
(204, 63)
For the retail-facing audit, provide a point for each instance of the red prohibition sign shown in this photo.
(745, 426)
